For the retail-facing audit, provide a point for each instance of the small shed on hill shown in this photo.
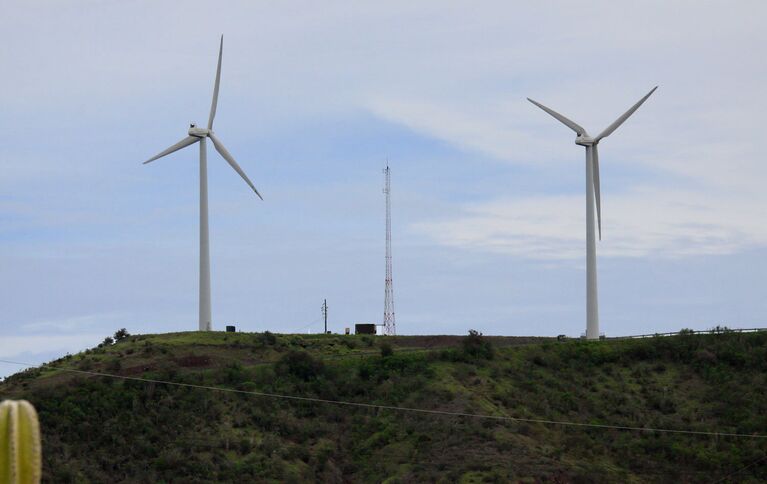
(364, 328)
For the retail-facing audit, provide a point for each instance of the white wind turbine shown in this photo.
(199, 135)
(592, 193)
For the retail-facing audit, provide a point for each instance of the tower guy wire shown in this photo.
(389, 324)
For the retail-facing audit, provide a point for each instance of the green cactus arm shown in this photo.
(20, 452)
(5, 442)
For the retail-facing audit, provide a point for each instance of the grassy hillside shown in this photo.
(99, 429)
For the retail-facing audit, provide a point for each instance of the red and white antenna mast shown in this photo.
(389, 326)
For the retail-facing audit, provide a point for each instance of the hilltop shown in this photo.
(102, 429)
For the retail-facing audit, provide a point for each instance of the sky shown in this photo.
(488, 192)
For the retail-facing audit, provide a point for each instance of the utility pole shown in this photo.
(389, 327)
(325, 313)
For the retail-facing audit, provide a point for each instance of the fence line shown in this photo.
(717, 330)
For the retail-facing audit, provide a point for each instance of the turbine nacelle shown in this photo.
(585, 140)
(198, 132)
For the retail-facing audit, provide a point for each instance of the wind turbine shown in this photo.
(592, 193)
(200, 135)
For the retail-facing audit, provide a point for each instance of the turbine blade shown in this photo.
(597, 189)
(619, 121)
(181, 144)
(228, 157)
(214, 103)
(567, 122)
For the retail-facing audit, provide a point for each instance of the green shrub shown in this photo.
(475, 346)
(267, 338)
(386, 349)
(300, 364)
(234, 374)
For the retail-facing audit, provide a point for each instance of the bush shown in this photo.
(234, 374)
(476, 346)
(114, 365)
(349, 343)
(108, 341)
(300, 364)
(386, 350)
(267, 338)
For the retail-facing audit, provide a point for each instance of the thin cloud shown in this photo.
(643, 222)
(76, 323)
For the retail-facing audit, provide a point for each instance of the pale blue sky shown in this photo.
(488, 192)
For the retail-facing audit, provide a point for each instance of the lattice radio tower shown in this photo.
(389, 326)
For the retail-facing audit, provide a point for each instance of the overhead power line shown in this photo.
(738, 471)
(315, 321)
(404, 409)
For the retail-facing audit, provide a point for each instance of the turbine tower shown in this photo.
(389, 326)
(592, 195)
(196, 134)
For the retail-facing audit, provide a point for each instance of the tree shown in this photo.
(121, 334)
(108, 341)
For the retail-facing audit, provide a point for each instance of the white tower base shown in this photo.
(592, 308)
(205, 311)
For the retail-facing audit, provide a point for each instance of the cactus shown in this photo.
(20, 455)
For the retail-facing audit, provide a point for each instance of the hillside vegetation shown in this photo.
(102, 429)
